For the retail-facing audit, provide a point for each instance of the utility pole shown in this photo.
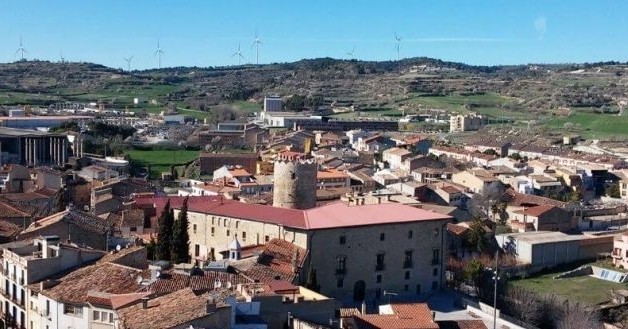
(495, 278)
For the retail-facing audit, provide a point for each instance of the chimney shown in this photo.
(210, 307)
(144, 302)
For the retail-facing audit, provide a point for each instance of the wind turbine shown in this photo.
(21, 50)
(397, 44)
(256, 43)
(128, 63)
(61, 56)
(350, 53)
(158, 53)
(239, 54)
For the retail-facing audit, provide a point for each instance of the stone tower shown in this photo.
(295, 182)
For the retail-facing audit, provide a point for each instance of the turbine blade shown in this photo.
(16, 52)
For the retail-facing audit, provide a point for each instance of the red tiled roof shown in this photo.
(457, 229)
(275, 262)
(332, 215)
(340, 214)
(514, 198)
(406, 316)
(168, 311)
(171, 281)
(103, 278)
(9, 211)
(536, 211)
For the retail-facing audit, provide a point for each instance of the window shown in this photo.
(110, 317)
(224, 221)
(382, 236)
(435, 271)
(378, 278)
(343, 239)
(213, 218)
(436, 231)
(266, 238)
(47, 307)
(379, 265)
(410, 234)
(213, 230)
(133, 229)
(341, 265)
(435, 256)
(407, 275)
(418, 289)
(194, 228)
(197, 250)
(73, 310)
(228, 232)
(243, 236)
(96, 316)
(237, 223)
(340, 283)
(407, 259)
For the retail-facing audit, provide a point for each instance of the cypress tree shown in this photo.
(164, 237)
(181, 237)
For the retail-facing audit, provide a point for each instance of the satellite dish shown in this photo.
(158, 274)
(139, 279)
(118, 248)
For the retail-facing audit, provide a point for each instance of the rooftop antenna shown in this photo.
(256, 43)
(158, 53)
(128, 63)
(239, 54)
(397, 45)
(21, 50)
(350, 53)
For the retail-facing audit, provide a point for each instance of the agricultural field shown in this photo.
(489, 104)
(593, 125)
(160, 160)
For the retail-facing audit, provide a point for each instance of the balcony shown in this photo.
(341, 271)
(379, 267)
(408, 264)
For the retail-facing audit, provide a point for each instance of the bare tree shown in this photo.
(524, 305)
(578, 316)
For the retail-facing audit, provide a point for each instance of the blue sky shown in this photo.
(207, 33)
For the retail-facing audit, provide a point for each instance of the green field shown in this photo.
(584, 289)
(160, 160)
(489, 104)
(594, 125)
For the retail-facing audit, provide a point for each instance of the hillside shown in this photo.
(415, 84)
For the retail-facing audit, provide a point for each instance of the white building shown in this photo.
(25, 263)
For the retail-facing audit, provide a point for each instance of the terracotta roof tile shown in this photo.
(536, 211)
(275, 262)
(405, 316)
(168, 311)
(171, 281)
(103, 277)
